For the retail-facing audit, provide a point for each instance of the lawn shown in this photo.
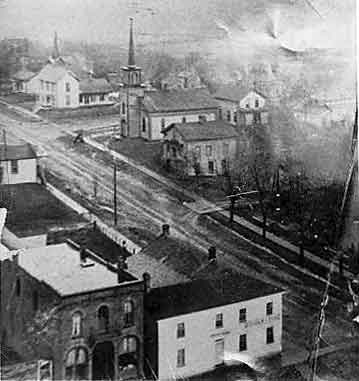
(33, 210)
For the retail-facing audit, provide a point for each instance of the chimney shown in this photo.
(83, 255)
(147, 281)
(212, 256)
(165, 230)
(121, 266)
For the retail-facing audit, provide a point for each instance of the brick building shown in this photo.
(66, 304)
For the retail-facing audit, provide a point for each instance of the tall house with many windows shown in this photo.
(191, 328)
(64, 303)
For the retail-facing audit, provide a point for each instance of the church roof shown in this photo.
(23, 75)
(17, 152)
(178, 100)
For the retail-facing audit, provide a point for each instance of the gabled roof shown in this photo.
(235, 93)
(17, 152)
(178, 100)
(212, 130)
(60, 268)
(95, 85)
(23, 75)
(53, 72)
(203, 294)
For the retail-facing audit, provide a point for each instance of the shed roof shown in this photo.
(178, 100)
(203, 294)
(17, 152)
(59, 266)
(95, 86)
(212, 130)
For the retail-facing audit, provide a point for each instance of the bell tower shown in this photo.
(131, 92)
(132, 74)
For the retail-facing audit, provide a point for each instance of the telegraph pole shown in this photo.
(115, 192)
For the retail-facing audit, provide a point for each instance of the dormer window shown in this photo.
(76, 324)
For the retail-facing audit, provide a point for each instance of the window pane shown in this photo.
(270, 335)
(180, 330)
(242, 315)
(269, 308)
(219, 320)
(243, 342)
(180, 358)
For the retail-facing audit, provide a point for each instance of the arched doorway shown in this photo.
(103, 361)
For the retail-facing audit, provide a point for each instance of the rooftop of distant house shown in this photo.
(178, 100)
(61, 268)
(211, 130)
(235, 93)
(19, 370)
(23, 75)
(33, 210)
(54, 71)
(205, 293)
(17, 152)
(95, 86)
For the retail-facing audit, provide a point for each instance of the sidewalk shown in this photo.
(207, 205)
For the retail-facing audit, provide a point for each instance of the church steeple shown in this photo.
(131, 73)
(56, 51)
(131, 48)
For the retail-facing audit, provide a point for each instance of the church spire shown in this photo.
(55, 52)
(131, 49)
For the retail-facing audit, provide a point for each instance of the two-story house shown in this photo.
(18, 164)
(241, 105)
(193, 327)
(66, 304)
(200, 148)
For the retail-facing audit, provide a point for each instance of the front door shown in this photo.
(103, 361)
(219, 351)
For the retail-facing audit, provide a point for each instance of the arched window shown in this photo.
(103, 318)
(76, 364)
(128, 313)
(77, 324)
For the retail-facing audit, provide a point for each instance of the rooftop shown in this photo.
(17, 152)
(203, 294)
(234, 93)
(178, 100)
(217, 129)
(59, 267)
(23, 75)
(53, 72)
(95, 85)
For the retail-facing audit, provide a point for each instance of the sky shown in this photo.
(107, 20)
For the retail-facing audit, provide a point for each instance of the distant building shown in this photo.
(193, 327)
(206, 147)
(18, 164)
(21, 81)
(162, 108)
(186, 79)
(64, 82)
(241, 105)
(64, 303)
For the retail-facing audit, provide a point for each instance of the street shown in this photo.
(144, 203)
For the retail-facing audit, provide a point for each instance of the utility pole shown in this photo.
(115, 192)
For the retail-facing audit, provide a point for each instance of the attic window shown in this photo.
(256, 103)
